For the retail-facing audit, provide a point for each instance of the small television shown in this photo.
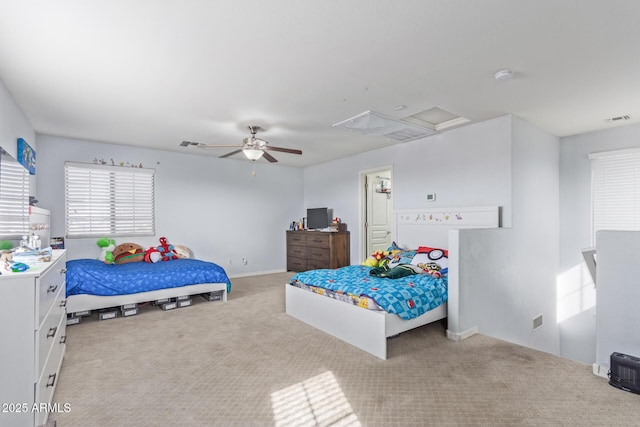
(317, 218)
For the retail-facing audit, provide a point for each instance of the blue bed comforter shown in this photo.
(90, 276)
(408, 297)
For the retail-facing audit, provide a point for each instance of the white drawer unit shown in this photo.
(32, 340)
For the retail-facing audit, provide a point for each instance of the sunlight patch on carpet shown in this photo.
(316, 401)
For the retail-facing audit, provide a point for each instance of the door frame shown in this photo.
(363, 206)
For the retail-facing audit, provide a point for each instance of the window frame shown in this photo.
(615, 188)
(108, 201)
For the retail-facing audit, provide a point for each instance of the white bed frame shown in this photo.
(84, 302)
(367, 329)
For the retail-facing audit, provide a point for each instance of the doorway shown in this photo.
(377, 210)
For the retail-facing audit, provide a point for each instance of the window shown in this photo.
(615, 190)
(108, 201)
(14, 198)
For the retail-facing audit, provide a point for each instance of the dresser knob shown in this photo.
(52, 288)
(63, 270)
(52, 332)
(52, 380)
(63, 303)
(63, 339)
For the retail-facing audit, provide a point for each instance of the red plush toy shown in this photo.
(166, 250)
(152, 255)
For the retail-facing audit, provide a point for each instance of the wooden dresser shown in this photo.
(311, 250)
(32, 333)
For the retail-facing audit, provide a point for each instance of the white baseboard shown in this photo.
(601, 370)
(459, 336)
(258, 273)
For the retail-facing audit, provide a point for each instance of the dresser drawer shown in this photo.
(296, 264)
(319, 254)
(47, 287)
(318, 240)
(46, 384)
(49, 332)
(294, 238)
(296, 251)
(317, 264)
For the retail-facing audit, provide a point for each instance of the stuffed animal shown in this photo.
(152, 255)
(128, 252)
(375, 259)
(166, 250)
(106, 250)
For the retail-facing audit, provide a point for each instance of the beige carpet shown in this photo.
(246, 363)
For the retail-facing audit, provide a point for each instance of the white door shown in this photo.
(378, 211)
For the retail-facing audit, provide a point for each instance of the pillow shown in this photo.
(398, 256)
(183, 251)
(432, 259)
(128, 252)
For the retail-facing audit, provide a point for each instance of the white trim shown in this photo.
(613, 153)
(258, 273)
(601, 370)
(459, 336)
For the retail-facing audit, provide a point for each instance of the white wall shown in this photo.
(508, 276)
(618, 320)
(213, 206)
(469, 166)
(576, 294)
(504, 162)
(13, 125)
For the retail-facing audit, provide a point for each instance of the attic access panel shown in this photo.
(376, 124)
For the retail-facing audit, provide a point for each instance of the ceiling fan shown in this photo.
(252, 147)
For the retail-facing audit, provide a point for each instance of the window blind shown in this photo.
(14, 198)
(615, 186)
(108, 201)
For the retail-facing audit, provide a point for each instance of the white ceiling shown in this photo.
(153, 73)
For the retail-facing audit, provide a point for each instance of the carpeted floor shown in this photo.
(246, 363)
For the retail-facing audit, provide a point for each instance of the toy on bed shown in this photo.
(166, 250)
(128, 252)
(106, 249)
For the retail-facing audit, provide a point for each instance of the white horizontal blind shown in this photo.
(14, 198)
(615, 190)
(109, 201)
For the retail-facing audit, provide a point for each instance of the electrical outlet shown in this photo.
(245, 261)
(431, 197)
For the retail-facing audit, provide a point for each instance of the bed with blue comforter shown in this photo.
(93, 285)
(408, 297)
(90, 276)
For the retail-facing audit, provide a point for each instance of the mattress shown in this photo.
(93, 277)
(408, 297)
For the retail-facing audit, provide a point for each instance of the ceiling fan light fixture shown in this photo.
(253, 154)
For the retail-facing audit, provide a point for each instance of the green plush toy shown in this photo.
(106, 250)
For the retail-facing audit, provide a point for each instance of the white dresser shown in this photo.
(32, 341)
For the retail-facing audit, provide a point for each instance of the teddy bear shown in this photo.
(106, 249)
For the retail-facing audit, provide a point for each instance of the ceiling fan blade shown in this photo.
(284, 150)
(269, 157)
(232, 153)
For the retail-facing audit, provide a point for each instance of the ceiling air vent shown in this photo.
(376, 124)
(615, 119)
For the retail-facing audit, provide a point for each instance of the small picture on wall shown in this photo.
(57, 242)
(27, 156)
